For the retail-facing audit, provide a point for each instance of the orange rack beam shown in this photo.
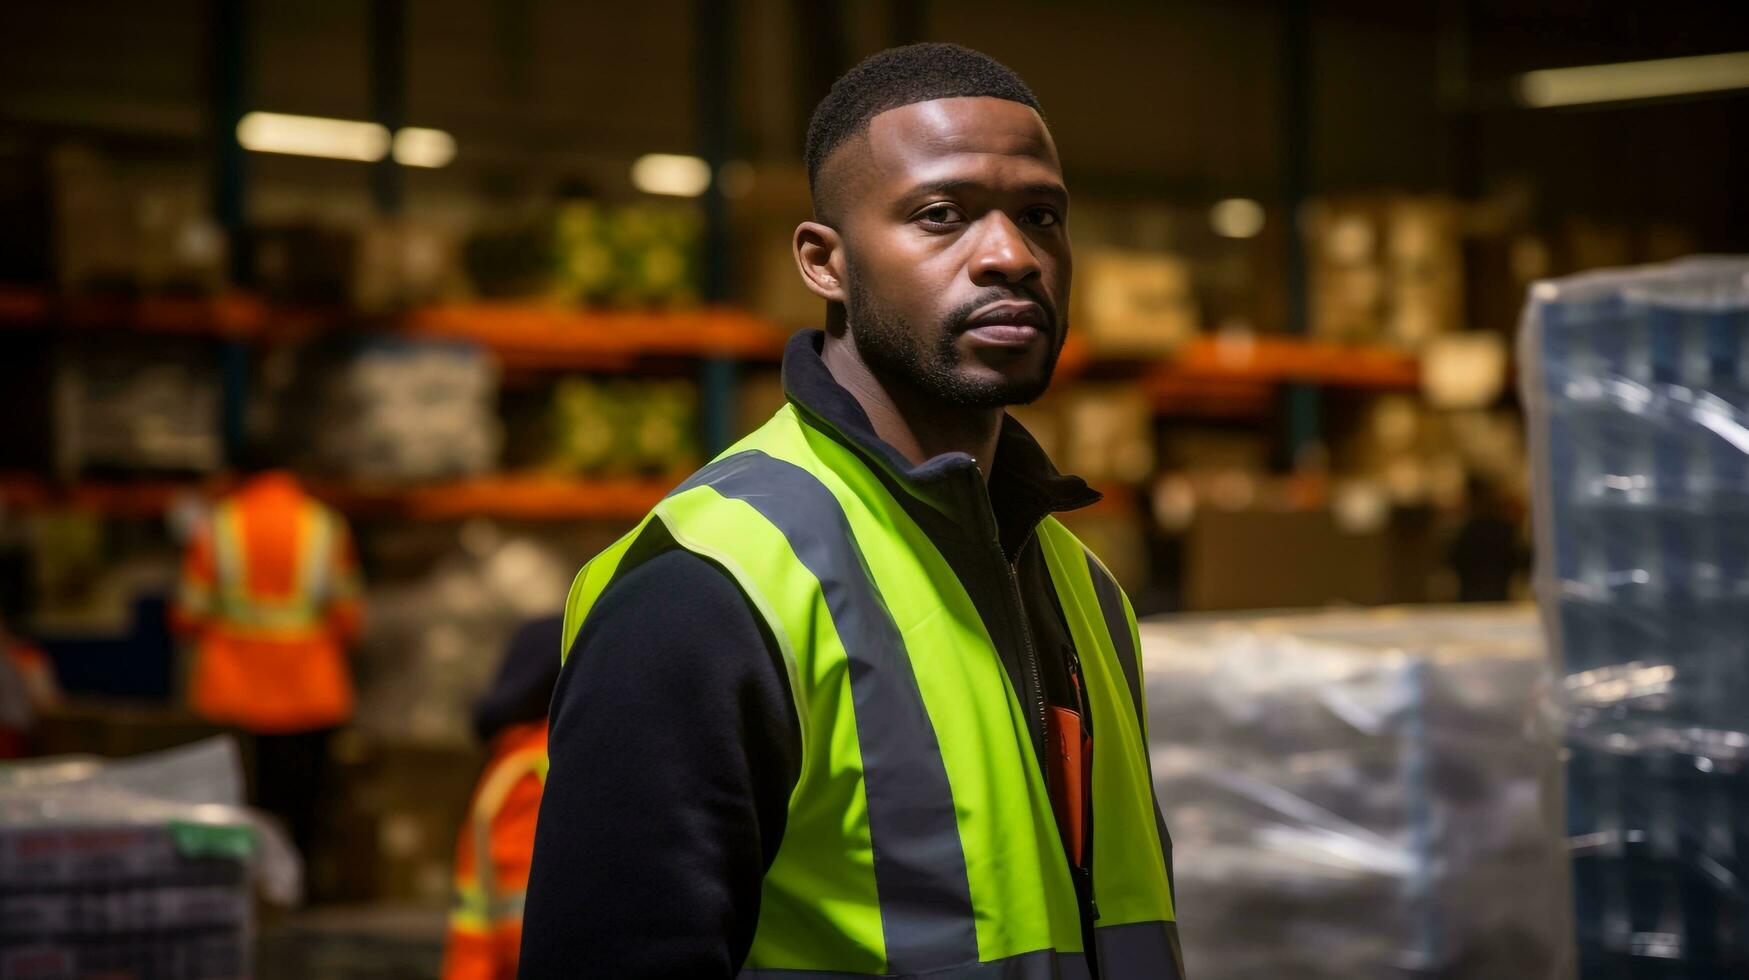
(529, 496)
(238, 315)
(553, 336)
(121, 498)
(525, 496)
(522, 334)
(1271, 359)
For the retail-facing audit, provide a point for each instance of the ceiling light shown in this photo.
(416, 147)
(313, 136)
(671, 174)
(1634, 80)
(1236, 217)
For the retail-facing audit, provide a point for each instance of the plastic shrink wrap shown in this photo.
(1360, 794)
(1636, 384)
(139, 868)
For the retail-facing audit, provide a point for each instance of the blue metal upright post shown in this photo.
(713, 26)
(388, 91)
(230, 178)
(1302, 422)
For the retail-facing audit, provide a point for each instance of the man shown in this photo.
(832, 709)
(270, 593)
(497, 838)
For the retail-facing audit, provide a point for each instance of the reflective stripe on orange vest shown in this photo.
(482, 902)
(485, 922)
(298, 610)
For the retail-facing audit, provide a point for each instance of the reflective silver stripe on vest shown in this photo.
(1139, 951)
(1118, 625)
(1041, 965)
(919, 865)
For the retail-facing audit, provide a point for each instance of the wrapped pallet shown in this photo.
(1637, 388)
(141, 868)
(1360, 794)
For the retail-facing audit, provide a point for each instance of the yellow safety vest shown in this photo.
(920, 838)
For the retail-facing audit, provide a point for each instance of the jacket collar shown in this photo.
(1024, 486)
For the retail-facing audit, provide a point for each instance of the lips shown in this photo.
(1010, 323)
(1009, 313)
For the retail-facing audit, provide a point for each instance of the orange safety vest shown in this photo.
(270, 589)
(27, 685)
(492, 857)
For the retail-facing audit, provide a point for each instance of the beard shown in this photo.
(889, 345)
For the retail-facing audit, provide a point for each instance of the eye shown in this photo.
(1043, 217)
(940, 214)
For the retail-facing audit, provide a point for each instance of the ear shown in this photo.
(819, 255)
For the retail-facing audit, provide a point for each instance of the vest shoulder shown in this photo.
(1054, 534)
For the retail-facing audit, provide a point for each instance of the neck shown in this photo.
(919, 427)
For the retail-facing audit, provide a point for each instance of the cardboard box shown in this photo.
(1424, 270)
(1386, 269)
(1109, 433)
(397, 809)
(1137, 303)
(402, 263)
(1274, 559)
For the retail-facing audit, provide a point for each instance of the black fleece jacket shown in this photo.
(674, 742)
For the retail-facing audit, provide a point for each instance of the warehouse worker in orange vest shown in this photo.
(270, 593)
(496, 842)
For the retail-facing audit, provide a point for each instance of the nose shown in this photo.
(1004, 256)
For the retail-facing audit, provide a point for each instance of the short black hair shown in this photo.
(900, 77)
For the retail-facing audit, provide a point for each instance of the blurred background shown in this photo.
(489, 278)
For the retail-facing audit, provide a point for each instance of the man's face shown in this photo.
(952, 215)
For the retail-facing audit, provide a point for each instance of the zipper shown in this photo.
(993, 534)
(1084, 875)
(1082, 878)
(1038, 687)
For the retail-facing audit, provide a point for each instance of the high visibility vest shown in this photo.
(293, 612)
(492, 859)
(920, 835)
(270, 588)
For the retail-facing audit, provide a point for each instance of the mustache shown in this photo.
(955, 320)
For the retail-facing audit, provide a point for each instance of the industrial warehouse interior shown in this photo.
(1407, 349)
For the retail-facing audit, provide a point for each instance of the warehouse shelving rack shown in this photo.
(1210, 376)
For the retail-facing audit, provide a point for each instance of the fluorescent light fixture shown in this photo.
(416, 147)
(313, 136)
(1634, 80)
(1236, 217)
(671, 174)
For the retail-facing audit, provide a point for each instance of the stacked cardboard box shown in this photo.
(392, 817)
(1386, 270)
(129, 403)
(418, 673)
(1131, 302)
